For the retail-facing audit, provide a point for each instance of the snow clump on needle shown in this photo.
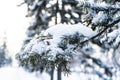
(59, 39)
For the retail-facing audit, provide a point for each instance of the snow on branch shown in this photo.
(59, 39)
(55, 45)
(111, 24)
(98, 6)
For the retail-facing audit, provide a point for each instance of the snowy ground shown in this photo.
(15, 73)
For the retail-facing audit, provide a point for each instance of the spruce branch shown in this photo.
(96, 6)
(111, 24)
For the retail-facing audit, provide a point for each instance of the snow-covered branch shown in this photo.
(98, 6)
(111, 24)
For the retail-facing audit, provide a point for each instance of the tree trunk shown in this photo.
(57, 8)
(59, 73)
(52, 73)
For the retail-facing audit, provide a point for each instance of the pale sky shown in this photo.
(13, 22)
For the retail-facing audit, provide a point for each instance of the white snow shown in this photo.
(29, 46)
(39, 3)
(117, 41)
(65, 29)
(38, 47)
(99, 18)
(112, 35)
(15, 73)
(32, 7)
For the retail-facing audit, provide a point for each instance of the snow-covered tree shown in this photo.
(46, 13)
(4, 58)
(95, 23)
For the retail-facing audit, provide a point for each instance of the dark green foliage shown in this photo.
(70, 40)
(34, 62)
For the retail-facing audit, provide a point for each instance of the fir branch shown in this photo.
(97, 7)
(117, 20)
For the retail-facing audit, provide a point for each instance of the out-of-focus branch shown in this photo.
(21, 4)
(99, 63)
(111, 24)
(96, 6)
